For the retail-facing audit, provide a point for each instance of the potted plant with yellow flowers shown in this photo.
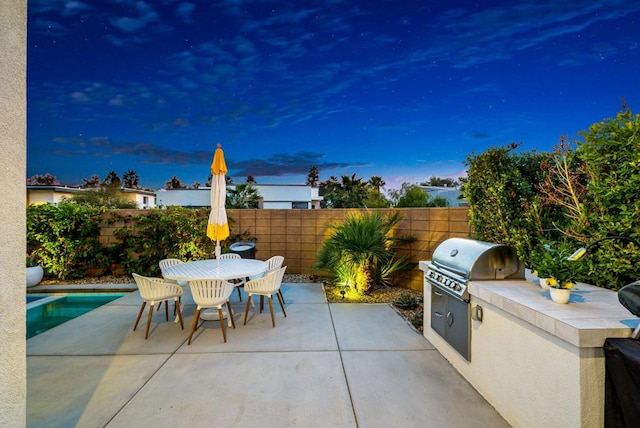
(555, 273)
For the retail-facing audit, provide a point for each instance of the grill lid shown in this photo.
(477, 260)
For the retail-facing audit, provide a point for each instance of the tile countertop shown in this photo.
(592, 315)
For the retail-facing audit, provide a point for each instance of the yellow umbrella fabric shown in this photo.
(218, 226)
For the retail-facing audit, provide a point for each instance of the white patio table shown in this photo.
(226, 269)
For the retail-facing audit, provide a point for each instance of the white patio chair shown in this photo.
(268, 285)
(211, 293)
(152, 291)
(238, 282)
(273, 263)
(229, 256)
(165, 263)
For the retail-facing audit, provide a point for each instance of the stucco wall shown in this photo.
(12, 229)
(532, 378)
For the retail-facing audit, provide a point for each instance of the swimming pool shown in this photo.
(47, 311)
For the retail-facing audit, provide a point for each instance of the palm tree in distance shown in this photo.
(376, 182)
(313, 177)
(131, 180)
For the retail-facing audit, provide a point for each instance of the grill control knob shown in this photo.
(457, 287)
(439, 279)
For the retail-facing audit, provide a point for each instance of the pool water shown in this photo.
(48, 311)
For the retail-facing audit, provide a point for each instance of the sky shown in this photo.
(405, 90)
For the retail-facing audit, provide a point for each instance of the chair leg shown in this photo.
(221, 316)
(239, 293)
(273, 319)
(261, 303)
(246, 311)
(193, 326)
(146, 332)
(281, 296)
(139, 315)
(176, 308)
(233, 322)
(166, 310)
(281, 301)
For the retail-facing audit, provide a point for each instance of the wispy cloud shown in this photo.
(281, 164)
(184, 11)
(470, 38)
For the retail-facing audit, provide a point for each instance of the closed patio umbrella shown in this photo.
(218, 227)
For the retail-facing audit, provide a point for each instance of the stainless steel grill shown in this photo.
(455, 262)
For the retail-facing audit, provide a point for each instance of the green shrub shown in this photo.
(156, 234)
(64, 238)
(361, 251)
(565, 199)
(418, 320)
(406, 301)
(501, 189)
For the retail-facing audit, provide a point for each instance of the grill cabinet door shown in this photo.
(450, 318)
(457, 325)
(438, 310)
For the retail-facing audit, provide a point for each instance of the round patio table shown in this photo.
(225, 269)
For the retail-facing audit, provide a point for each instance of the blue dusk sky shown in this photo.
(404, 89)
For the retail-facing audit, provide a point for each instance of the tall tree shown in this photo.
(43, 180)
(131, 180)
(91, 183)
(440, 182)
(112, 180)
(243, 196)
(409, 195)
(313, 177)
(251, 180)
(376, 182)
(174, 183)
(349, 192)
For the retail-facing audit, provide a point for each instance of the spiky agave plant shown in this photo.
(360, 250)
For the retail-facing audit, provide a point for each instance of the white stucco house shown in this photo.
(53, 194)
(273, 196)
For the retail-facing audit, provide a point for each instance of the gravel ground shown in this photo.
(377, 295)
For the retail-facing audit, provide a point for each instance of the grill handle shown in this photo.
(450, 319)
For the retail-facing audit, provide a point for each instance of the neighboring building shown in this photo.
(37, 195)
(451, 194)
(53, 194)
(272, 196)
(144, 199)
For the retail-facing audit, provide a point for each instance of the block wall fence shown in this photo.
(298, 234)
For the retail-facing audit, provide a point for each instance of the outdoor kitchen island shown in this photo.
(537, 362)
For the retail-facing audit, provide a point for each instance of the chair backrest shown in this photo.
(165, 263)
(267, 284)
(275, 262)
(228, 256)
(152, 288)
(210, 292)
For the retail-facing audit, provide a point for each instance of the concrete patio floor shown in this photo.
(325, 365)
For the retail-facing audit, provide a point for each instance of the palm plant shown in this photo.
(361, 251)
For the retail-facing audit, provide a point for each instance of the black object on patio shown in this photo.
(246, 249)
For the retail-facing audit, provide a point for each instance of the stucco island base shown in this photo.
(538, 363)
